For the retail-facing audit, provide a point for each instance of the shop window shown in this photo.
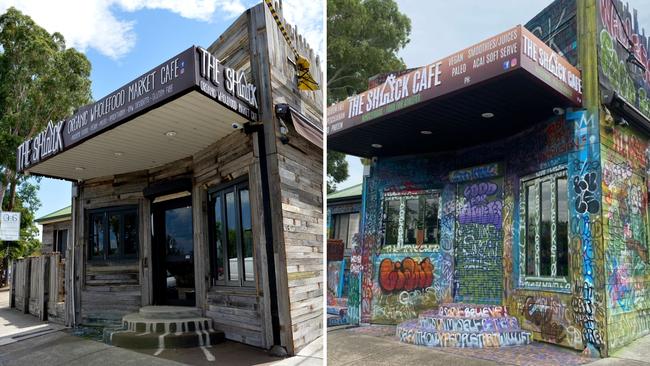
(113, 233)
(345, 227)
(232, 236)
(411, 219)
(60, 241)
(545, 224)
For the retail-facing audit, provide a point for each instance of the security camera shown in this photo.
(374, 159)
(558, 111)
(236, 126)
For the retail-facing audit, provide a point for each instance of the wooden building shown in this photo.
(57, 228)
(199, 184)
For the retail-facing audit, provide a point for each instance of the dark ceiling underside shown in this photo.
(517, 99)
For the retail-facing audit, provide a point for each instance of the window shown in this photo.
(232, 236)
(346, 226)
(113, 233)
(60, 241)
(545, 228)
(411, 219)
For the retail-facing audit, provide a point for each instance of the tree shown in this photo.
(363, 38)
(40, 81)
(337, 169)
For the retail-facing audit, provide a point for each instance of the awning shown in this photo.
(169, 113)
(303, 125)
(493, 89)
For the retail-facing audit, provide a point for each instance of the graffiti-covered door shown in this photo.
(479, 242)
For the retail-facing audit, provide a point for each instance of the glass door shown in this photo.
(173, 253)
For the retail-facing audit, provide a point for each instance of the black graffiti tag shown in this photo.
(585, 189)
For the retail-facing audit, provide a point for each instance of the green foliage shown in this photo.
(27, 203)
(40, 80)
(363, 38)
(337, 169)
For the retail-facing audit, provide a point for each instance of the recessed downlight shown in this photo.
(487, 115)
(426, 132)
(118, 153)
(170, 133)
(377, 146)
(79, 169)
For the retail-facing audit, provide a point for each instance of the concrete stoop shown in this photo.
(464, 325)
(337, 315)
(164, 327)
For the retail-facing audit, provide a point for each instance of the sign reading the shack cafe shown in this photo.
(504, 53)
(194, 69)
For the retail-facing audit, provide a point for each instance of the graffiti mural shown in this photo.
(625, 210)
(620, 34)
(557, 27)
(479, 242)
(405, 275)
(586, 232)
(404, 287)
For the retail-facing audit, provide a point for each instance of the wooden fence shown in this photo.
(38, 286)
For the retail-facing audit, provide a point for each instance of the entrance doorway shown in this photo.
(479, 242)
(173, 253)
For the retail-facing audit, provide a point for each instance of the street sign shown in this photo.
(9, 226)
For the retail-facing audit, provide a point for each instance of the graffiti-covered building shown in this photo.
(507, 196)
(343, 219)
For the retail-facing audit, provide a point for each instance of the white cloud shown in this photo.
(94, 24)
(308, 16)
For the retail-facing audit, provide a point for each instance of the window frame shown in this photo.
(402, 197)
(552, 282)
(57, 243)
(235, 186)
(345, 216)
(106, 212)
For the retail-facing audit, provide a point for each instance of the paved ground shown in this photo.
(26, 341)
(377, 345)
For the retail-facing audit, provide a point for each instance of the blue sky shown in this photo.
(123, 39)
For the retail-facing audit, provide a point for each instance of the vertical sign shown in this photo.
(9, 226)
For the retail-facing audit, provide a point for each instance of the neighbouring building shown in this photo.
(508, 192)
(57, 228)
(343, 222)
(198, 185)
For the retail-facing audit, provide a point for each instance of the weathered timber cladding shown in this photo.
(109, 290)
(238, 312)
(297, 177)
(47, 245)
(56, 292)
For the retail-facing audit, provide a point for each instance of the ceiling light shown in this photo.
(377, 146)
(426, 132)
(118, 153)
(170, 133)
(487, 115)
(79, 169)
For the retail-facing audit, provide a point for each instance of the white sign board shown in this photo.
(9, 226)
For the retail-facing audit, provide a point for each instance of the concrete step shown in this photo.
(138, 323)
(336, 320)
(461, 310)
(337, 310)
(169, 312)
(411, 332)
(456, 324)
(138, 340)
